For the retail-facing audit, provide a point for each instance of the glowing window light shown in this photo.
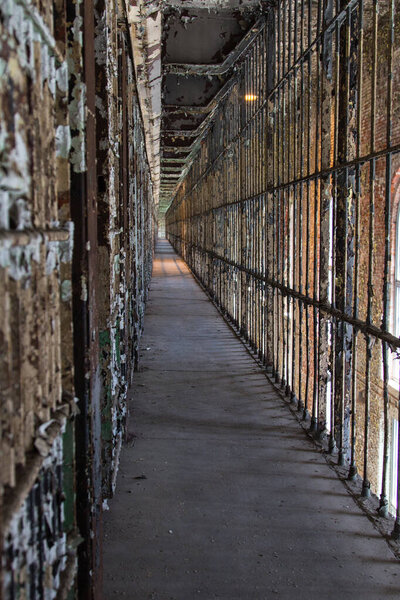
(250, 97)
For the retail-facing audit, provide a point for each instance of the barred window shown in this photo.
(395, 280)
(396, 307)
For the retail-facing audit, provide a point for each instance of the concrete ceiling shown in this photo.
(185, 56)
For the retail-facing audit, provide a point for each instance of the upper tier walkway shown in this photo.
(220, 493)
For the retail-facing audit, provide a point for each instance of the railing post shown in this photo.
(344, 251)
(324, 162)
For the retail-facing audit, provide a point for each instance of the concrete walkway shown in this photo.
(220, 494)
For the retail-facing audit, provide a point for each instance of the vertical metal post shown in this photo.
(383, 501)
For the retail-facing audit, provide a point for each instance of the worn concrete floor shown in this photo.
(220, 494)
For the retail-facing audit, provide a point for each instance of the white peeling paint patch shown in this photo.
(77, 117)
(84, 291)
(52, 257)
(116, 266)
(100, 107)
(77, 30)
(14, 161)
(25, 26)
(63, 141)
(17, 260)
(77, 112)
(67, 247)
(45, 63)
(62, 77)
(78, 159)
(66, 290)
(22, 214)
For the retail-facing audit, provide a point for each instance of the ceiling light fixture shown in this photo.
(250, 97)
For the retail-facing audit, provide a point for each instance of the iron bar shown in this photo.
(383, 501)
(362, 326)
(394, 149)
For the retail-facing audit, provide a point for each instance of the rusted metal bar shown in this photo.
(354, 387)
(379, 154)
(372, 178)
(362, 326)
(383, 500)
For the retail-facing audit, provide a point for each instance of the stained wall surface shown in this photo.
(76, 244)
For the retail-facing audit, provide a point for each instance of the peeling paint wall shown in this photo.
(76, 246)
(124, 222)
(36, 238)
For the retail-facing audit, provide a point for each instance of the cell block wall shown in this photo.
(76, 247)
(288, 216)
(36, 240)
(125, 221)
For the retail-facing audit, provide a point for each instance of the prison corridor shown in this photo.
(220, 493)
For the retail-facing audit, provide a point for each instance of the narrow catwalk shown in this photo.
(220, 494)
